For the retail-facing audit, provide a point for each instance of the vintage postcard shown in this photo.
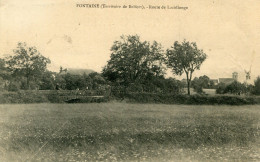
(129, 80)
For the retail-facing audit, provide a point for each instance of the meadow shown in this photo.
(119, 131)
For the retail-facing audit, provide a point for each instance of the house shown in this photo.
(226, 80)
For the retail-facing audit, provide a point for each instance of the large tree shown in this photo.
(185, 58)
(27, 62)
(4, 71)
(199, 83)
(133, 60)
(256, 88)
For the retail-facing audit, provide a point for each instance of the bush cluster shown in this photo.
(23, 97)
(134, 97)
(233, 88)
(50, 96)
(190, 100)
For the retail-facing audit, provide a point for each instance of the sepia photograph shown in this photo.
(129, 80)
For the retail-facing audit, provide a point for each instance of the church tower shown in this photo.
(235, 76)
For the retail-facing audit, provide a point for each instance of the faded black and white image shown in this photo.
(131, 80)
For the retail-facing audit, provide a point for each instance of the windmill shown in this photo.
(240, 65)
(248, 74)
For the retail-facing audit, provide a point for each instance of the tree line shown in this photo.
(134, 66)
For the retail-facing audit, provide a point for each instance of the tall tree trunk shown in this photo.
(188, 83)
(188, 87)
(27, 77)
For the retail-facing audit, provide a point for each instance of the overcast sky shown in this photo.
(227, 31)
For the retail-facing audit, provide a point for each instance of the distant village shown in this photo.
(225, 81)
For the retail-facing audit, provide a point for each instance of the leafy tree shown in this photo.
(169, 85)
(205, 81)
(235, 88)
(185, 58)
(27, 62)
(4, 74)
(256, 88)
(70, 81)
(199, 83)
(80, 82)
(59, 82)
(88, 81)
(97, 80)
(133, 60)
(47, 81)
(4, 71)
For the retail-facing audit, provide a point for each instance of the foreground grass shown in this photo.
(129, 132)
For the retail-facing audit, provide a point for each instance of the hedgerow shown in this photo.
(190, 99)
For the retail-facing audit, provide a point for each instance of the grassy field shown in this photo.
(129, 132)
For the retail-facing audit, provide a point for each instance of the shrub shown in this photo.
(199, 83)
(51, 96)
(88, 100)
(54, 97)
(14, 86)
(235, 88)
(221, 88)
(198, 89)
(191, 100)
(23, 97)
